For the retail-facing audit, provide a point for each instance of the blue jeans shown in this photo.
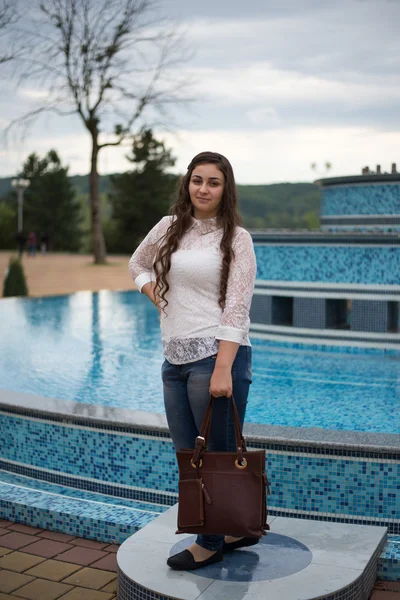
(186, 396)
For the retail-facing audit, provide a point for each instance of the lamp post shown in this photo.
(20, 185)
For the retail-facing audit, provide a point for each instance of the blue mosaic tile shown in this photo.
(361, 200)
(102, 455)
(326, 347)
(71, 492)
(329, 264)
(389, 560)
(68, 515)
(360, 486)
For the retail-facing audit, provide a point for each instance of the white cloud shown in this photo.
(286, 155)
(261, 82)
(34, 94)
(265, 156)
(279, 86)
(264, 117)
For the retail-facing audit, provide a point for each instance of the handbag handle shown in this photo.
(202, 439)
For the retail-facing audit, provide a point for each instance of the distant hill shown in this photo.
(280, 205)
(80, 183)
(288, 205)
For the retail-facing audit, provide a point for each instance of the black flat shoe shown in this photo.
(184, 561)
(243, 543)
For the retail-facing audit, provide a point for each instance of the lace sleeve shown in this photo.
(141, 262)
(235, 320)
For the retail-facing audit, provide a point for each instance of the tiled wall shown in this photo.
(378, 316)
(309, 312)
(371, 315)
(305, 482)
(136, 460)
(361, 200)
(376, 265)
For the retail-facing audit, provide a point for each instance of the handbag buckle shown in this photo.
(200, 441)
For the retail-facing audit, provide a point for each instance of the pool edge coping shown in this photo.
(94, 414)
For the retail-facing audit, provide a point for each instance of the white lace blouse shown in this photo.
(194, 322)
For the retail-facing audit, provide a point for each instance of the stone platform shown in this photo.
(298, 560)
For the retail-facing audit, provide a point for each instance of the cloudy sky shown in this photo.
(278, 85)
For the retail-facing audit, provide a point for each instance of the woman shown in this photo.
(198, 267)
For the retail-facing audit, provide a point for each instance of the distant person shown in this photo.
(21, 241)
(44, 242)
(32, 244)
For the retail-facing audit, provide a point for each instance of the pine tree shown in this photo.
(141, 197)
(15, 282)
(50, 204)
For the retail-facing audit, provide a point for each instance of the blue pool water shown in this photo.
(105, 348)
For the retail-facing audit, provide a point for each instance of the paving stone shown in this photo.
(90, 578)
(19, 562)
(10, 581)
(16, 540)
(390, 586)
(53, 570)
(381, 595)
(41, 589)
(85, 594)
(89, 543)
(24, 529)
(108, 563)
(8, 597)
(111, 587)
(4, 531)
(111, 548)
(58, 537)
(4, 551)
(81, 556)
(4, 523)
(47, 548)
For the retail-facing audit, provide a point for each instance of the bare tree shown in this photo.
(8, 16)
(113, 63)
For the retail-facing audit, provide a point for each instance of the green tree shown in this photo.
(282, 205)
(49, 202)
(112, 63)
(15, 282)
(139, 198)
(8, 224)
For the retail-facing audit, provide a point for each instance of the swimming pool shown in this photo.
(105, 348)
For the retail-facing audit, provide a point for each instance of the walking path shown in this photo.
(42, 565)
(55, 274)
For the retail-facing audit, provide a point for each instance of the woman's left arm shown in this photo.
(235, 320)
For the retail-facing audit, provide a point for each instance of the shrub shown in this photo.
(15, 282)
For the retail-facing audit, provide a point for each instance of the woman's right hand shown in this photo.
(149, 290)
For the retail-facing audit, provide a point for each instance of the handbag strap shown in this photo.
(202, 439)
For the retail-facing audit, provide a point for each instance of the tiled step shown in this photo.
(389, 560)
(108, 518)
(72, 511)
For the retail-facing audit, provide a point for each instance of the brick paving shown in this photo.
(75, 569)
(44, 565)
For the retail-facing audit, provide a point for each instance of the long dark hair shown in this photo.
(227, 217)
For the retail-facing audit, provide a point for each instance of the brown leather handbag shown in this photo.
(222, 493)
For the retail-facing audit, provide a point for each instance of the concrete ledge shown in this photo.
(110, 417)
(317, 558)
